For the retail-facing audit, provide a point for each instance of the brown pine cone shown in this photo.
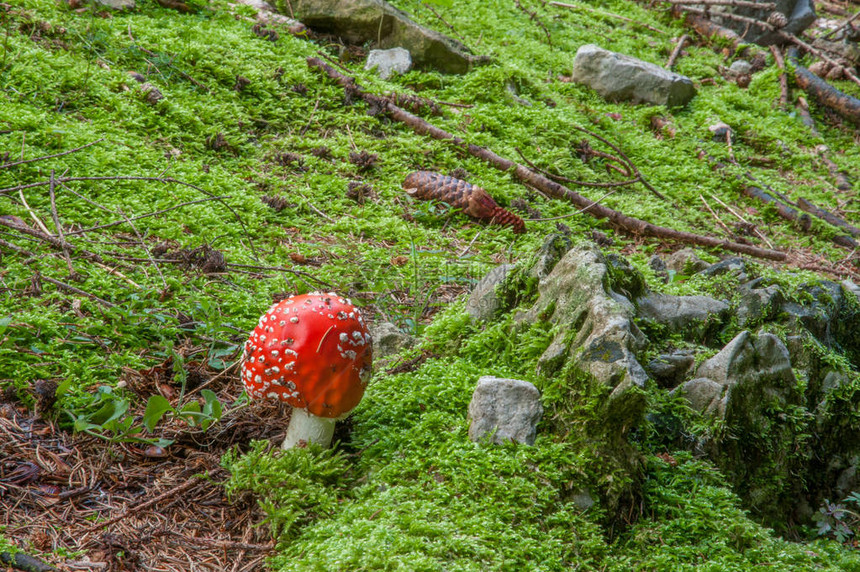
(471, 199)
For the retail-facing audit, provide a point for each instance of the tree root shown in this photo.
(527, 176)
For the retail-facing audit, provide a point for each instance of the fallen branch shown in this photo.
(842, 103)
(224, 544)
(73, 290)
(789, 213)
(841, 26)
(830, 61)
(828, 217)
(536, 19)
(679, 45)
(52, 241)
(843, 183)
(551, 188)
(783, 78)
(64, 180)
(706, 28)
(784, 206)
(46, 157)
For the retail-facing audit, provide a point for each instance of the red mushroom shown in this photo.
(313, 351)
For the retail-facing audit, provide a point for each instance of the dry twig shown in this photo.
(783, 78)
(679, 45)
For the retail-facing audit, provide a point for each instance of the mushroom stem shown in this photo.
(307, 428)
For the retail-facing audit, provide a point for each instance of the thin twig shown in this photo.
(626, 160)
(46, 157)
(677, 51)
(151, 502)
(313, 208)
(844, 24)
(743, 220)
(441, 19)
(736, 17)
(118, 274)
(64, 180)
(534, 18)
(35, 218)
(75, 290)
(146, 215)
(59, 226)
(572, 181)
(719, 221)
(51, 240)
(783, 78)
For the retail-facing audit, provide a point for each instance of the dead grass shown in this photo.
(165, 510)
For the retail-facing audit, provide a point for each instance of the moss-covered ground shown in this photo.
(408, 490)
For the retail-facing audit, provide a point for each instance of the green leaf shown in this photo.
(212, 407)
(156, 407)
(111, 410)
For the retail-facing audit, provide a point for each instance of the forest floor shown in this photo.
(143, 237)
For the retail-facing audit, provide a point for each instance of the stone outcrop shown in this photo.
(598, 335)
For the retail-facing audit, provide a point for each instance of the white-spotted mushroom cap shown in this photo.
(313, 351)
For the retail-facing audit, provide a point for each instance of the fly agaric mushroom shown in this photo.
(313, 351)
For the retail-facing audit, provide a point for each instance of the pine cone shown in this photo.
(471, 199)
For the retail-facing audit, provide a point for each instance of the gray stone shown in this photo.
(377, 22)
(618, 77)
(755, 373)
(732, 266)
(553, 248)
(659, 267)
(117, 4)
(686, 261)
(670, 369)
(389, 62)
(695, 314)
(818, 312)
(388, 339)
(851, 287)
(596, 334)
(583, 499)
(758, 304)
(504, 410)
(484, 302)
(741, 67)
(706, 396)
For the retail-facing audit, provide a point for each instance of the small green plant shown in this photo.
(192, 412)
(106, 416)
(836, 521)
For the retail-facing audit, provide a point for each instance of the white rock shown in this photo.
(388, 62)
